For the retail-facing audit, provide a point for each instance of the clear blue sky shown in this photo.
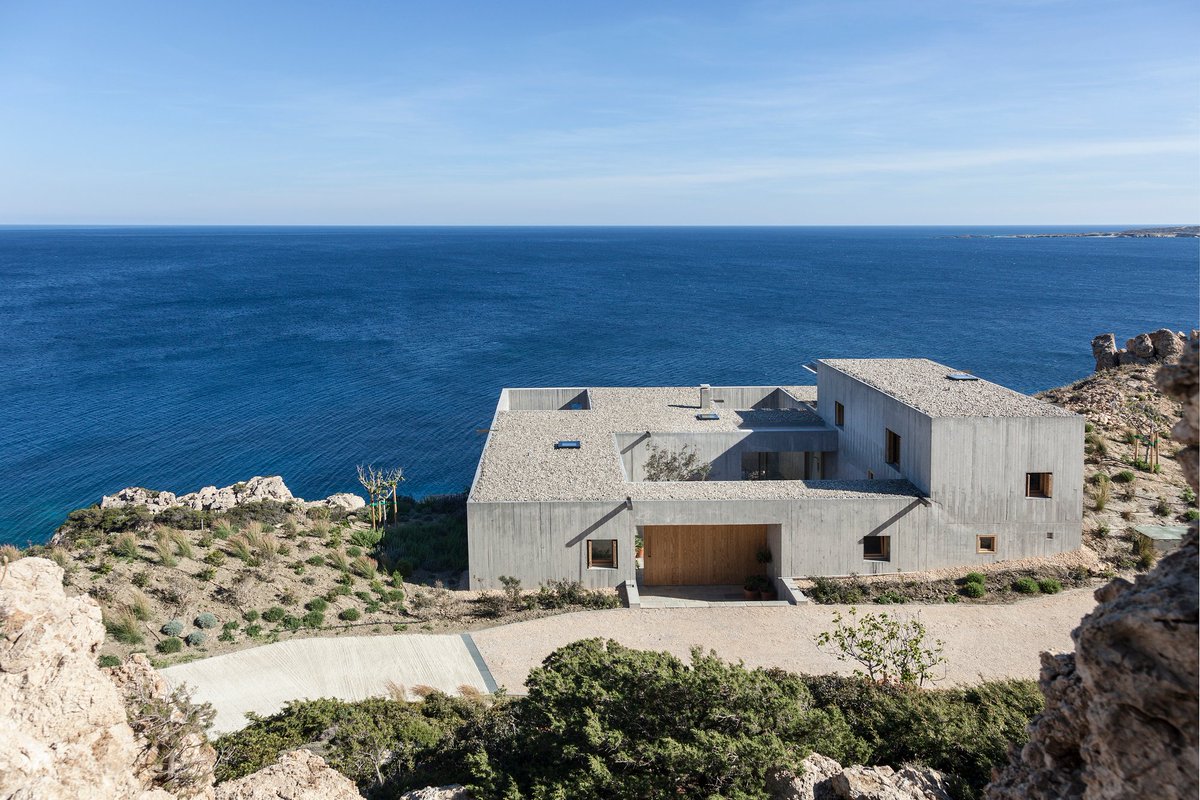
(839, 112)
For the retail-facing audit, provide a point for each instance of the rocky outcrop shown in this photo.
(297, 775)
(1121, 713)
(1182, 382)
(64, 727)
(452, 792)
(823, 778)
(210, 498)
(1162, 346)
(70, 730)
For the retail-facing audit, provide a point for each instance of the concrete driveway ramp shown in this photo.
(263, 679)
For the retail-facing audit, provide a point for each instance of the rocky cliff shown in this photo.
(70, 730)
(1161, 346)
(210, 498)
(1121, 712)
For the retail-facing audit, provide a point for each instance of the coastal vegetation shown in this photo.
(601, 720)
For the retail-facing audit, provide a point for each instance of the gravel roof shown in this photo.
(923, 385)
(520, 462)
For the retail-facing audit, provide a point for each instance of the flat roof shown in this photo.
(521, 464)
(926, 386)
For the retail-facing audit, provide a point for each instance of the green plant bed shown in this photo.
(1026, 586)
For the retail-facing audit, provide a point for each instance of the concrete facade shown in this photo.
(966, 449)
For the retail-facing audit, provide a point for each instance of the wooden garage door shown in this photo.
(691, 555)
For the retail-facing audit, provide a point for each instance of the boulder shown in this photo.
(1104, 350)
(1182, 382)
(823, 778)
(342, 500)
(297, 775)
(65, 733)
(1168, 345)
(1141, 346)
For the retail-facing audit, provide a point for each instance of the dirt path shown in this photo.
(981, 641)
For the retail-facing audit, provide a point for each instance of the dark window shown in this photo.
(1039, 484)
(892, 454)
(985, 544)
(602, 553)
(839, 414)
(877, 548)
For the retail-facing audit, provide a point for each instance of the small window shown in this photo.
(877, 548)
(602, 553)
(985, 544)
(1049, 534)
(1039, 484)
(892, 456)
(839, 414)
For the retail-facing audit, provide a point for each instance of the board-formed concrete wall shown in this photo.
(862, 441)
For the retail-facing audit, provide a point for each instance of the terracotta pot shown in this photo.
(770, 594)
(751, 594)
(637, 553)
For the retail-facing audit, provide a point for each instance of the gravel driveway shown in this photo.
(981, 641)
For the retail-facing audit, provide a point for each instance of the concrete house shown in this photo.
(886, 465)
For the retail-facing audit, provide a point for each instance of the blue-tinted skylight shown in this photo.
(708, 415)
(962, 376)
(567, 444)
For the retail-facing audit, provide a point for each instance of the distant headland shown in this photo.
(1174, 232)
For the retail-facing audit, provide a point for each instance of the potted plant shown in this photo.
(750, 589)
(638, 546)
(768, 590)
(763, 555)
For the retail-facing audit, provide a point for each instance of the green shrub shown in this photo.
(253, 631)
(215, 557)
(354, 552)
(123, 626)
(251, 615)
(291, 623)
(1049, 586)
(1025, 586)
(1124, 476)
(890, 597)
(974, 577)
(1191, 515)
(125, 546)
(108, 661)
(140, 579)
(316, 561)
(349, 614)
(366, 537)
(172, 628)
(196, 638)
(274, 614)
(206, 620)
(317, 604)
(313, 619)
(172, 644)
(207, 574)
(975, 590)
(1162, 508)
(834, 591)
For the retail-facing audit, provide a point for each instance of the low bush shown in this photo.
(123, 626)
(215, 558)
(1049, 586)
(349, 615)
(1025, 586)
(974, 577)
(1162, 508)
(253, 631)
(833, 591)
(196, 638)
(317, 604)
(315, 561)
(890, 597)
(251, 615)
(172, 628)
(291, 623)
(125, 546)
(172, 644)
(205, 575)
(313, 619)
(274, 614)
(1124, 476)
(108, 661)
(975, 590)
(206, 620)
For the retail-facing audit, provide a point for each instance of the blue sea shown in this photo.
(178, 357)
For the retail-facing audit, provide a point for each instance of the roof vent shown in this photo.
(709, 415)
(567, 444)
(962, 376)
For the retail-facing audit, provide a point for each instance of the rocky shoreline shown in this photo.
(210, 498)
(1174, 232)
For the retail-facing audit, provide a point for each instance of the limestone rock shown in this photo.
(342, 500)
(297, 775)
(64, 727)
(1168, 345)
(452, 792)
(1121, 717)
(1182, 381)
(1141, 346)
(192, 761)
(825, 779)
(137, 496)
(1104, 350)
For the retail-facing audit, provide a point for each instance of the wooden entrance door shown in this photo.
(696, 555)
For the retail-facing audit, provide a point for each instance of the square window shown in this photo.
(1039, 484)
(892, 455)
(877, 548)
(985, 544)
(839, 414)
(602, 553)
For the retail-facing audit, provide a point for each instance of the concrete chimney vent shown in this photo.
(705, 397)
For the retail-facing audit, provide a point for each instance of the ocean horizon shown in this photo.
(175, 357)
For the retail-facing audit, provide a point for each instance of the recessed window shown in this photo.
(602, 553)
(1049, 534)
(985, 544)
(877, 548)
(839, 414)
(892, 449)
(1039, 484)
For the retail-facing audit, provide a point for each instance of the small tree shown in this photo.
(890, 649)
(683, 465)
